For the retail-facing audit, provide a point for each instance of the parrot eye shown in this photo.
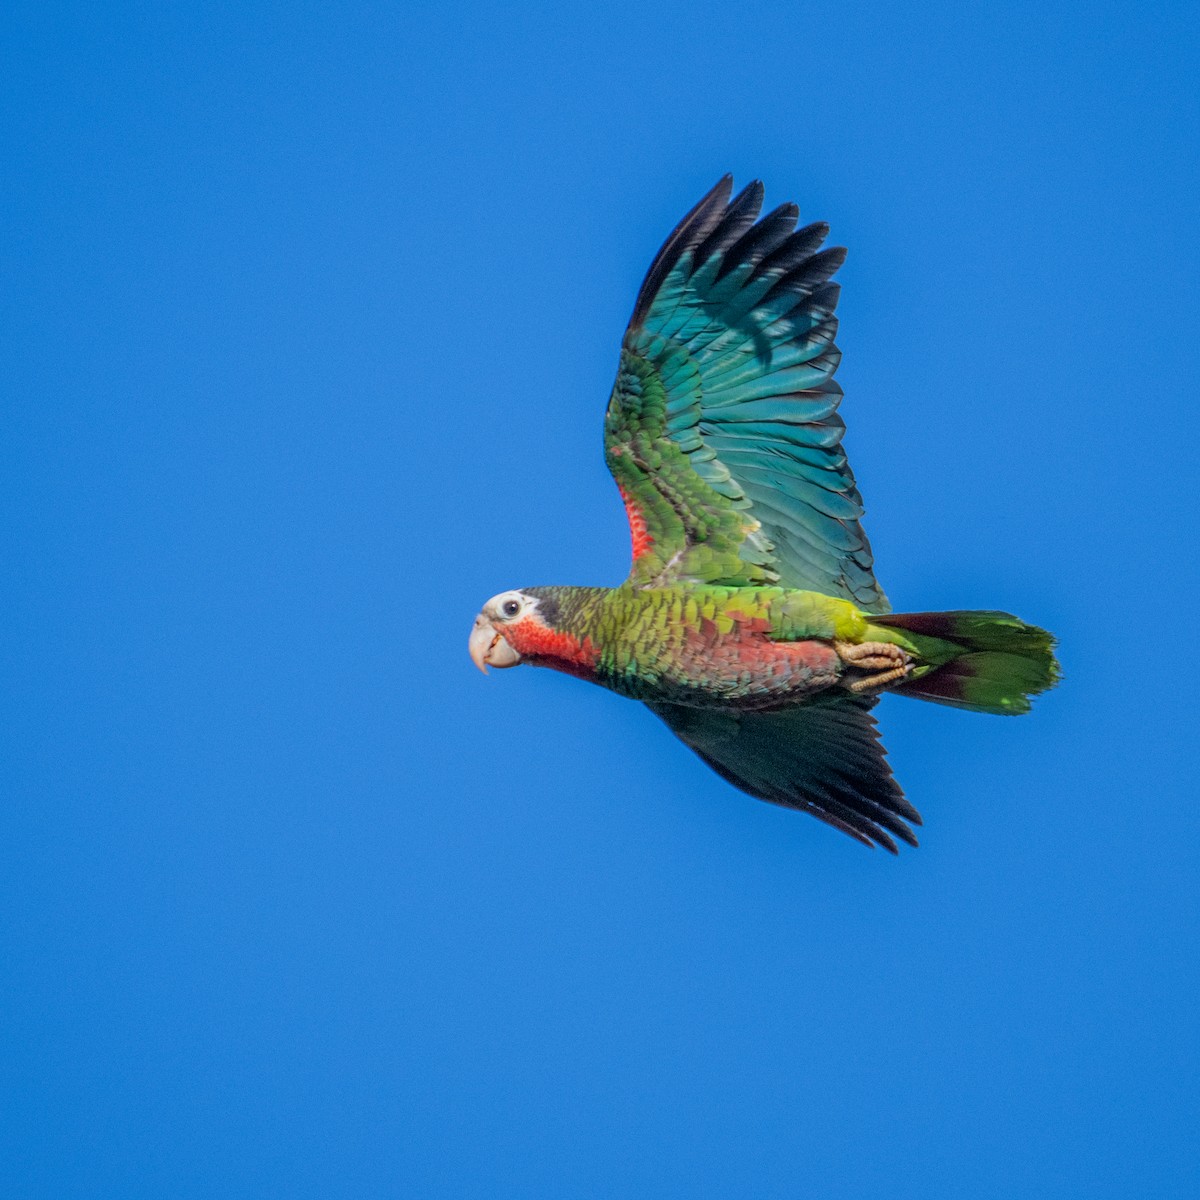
(510, 608)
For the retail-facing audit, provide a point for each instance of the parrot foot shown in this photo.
(887, 662)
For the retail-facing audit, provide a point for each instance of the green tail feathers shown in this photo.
(983, 661)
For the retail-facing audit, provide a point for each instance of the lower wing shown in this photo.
(823, 758)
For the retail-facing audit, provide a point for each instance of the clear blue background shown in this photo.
(310, 313)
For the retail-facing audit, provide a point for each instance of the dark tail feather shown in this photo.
(1002, 661)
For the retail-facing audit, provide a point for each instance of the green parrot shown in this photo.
(751, 621)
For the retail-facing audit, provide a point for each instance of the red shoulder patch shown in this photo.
(642, 541)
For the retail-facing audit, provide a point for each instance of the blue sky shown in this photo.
(309, 314)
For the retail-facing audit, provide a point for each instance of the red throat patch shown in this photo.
(531, 637)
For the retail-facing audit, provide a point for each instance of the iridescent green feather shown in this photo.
(722, 425)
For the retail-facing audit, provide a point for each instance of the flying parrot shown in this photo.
(751, 621)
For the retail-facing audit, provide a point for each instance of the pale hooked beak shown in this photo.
(488, 647)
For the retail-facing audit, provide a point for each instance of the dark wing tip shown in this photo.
(762, 239)
(739, 216)
(732, 229)
(690, 232)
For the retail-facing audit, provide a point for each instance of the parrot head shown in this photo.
(503, 627)
(534, 626)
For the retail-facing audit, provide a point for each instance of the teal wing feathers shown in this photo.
(824, 758)
(722, 431)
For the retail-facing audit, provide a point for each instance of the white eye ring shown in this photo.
(510, 607)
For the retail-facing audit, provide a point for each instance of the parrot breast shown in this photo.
(741, 669)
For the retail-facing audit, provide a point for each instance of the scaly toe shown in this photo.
(886, 663)
(872, 656)
(873, 683)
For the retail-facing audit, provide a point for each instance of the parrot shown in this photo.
(751, 622)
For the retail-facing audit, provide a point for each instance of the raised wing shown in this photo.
(722, 431)
(824, 758)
